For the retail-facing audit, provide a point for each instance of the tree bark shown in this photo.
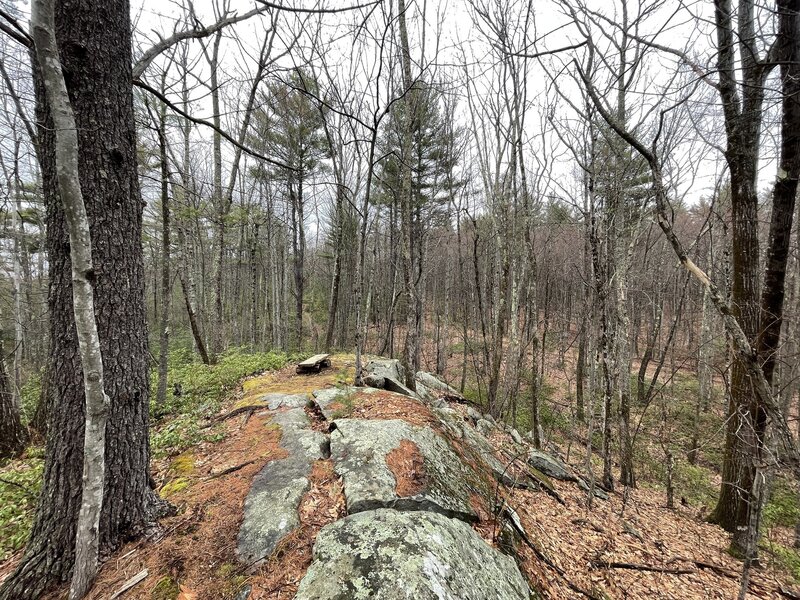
(411, 347)
(742, 111)
(67, 174)
(94, 42)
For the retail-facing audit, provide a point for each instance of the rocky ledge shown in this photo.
(416, 485)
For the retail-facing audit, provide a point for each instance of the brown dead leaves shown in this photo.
(408, 467)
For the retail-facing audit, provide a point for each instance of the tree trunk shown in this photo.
(299, 259)
(254, 285)
(166, 289)
(12, 433)
(338, 250)
(410, 348)
(218, 335)
(742, 123)
(94, 40)
(186, 262)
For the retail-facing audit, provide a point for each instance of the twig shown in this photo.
(25, 489)
(601, 564)
(230, 470)
(542, 557)
(132, 582)
(235, 413)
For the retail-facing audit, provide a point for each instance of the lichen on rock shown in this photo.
(387, 554)
(359, 449)
(270, 510)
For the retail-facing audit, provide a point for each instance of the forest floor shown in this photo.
(629, 546)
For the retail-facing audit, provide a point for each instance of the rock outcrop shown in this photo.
(388, 374)
(432, 389)
(270, 510)
(397, 555)
(416, 475)
(360, 448)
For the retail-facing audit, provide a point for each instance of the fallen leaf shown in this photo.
(186, 594)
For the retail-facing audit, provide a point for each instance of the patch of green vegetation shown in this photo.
(552, 418)
(734, 552)
(196, 391)
(695, 484)
(541, 478)
(343, 376)
(785, 558)
(457, 348)
(166, 589)
(474, 395)
(692, 482)
(783, 508)
(232, 579)
(30, 393)
(20, 482)
(183, 464)
(173, 486)
(347, 399)
(195, 387)
(182, 431)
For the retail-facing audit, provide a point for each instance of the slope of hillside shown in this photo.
(313, 480)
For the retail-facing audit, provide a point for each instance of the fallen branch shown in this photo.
(246, 418)
(787, 593)
(601, 564)
(132, 582)
(542, 557)
(25, 489)
(723, 572)
(230, 470)
(235, 413)
(587, 523)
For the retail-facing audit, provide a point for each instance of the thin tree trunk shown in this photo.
(13, 436)
(410, 348)
(166, 288)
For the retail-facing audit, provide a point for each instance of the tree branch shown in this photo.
(196, 33)
(140, 84)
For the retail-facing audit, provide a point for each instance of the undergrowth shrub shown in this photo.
(20, 482)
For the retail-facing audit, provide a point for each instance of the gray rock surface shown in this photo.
(276, 401)
(374, 381)
(387, 374)
(473, 415)
(389, 368)
(359, 448)
(270, 510)
(431, 388)
(393, 555)
(598, 491)
(549, 465)
(328, 396)
(484, 427)
(515, 436)
(396, 386)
